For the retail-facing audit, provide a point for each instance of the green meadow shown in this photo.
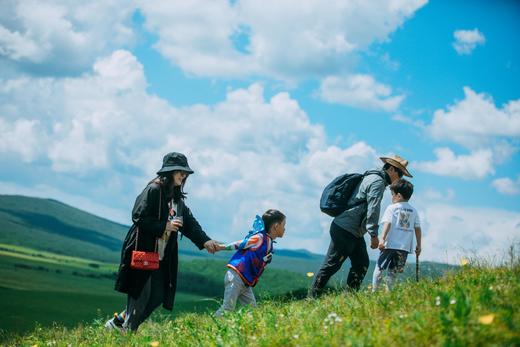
(57, 271)
(474, 306)
(44, 288)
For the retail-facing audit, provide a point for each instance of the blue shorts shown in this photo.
(392, 259)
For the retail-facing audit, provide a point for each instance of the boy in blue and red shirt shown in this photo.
(247, 264)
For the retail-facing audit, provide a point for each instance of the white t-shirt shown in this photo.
(403, 218)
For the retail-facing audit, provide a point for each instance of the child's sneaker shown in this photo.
(116, 323)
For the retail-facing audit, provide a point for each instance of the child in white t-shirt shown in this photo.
(401, 222)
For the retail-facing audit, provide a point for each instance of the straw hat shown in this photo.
(397, 162)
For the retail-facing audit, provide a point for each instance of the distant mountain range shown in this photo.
(53, 226)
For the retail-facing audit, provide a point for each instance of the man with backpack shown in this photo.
(360, 215)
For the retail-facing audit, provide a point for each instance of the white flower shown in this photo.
(453, 301)
(437, 301)
(332, 318)
(295, 336)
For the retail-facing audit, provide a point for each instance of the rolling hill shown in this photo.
(54, 257)
(49, 225)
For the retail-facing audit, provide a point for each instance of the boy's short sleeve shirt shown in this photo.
(404, 219)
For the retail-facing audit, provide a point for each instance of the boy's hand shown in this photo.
(381, 245)
(418, 250)
(374, 242)
(267, 258)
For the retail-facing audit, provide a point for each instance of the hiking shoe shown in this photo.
(115, 323)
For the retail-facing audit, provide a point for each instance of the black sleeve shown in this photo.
(146, 211)
(192, 229)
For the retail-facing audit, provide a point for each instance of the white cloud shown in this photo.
(431, 194)
(467, 40)
(476, 165)
(61, 37)
(282, 39)
(507, 186)
(450, 232)
(359, 91)
(475, 121)
(101, 143)
(408, 120)
(491, 135)
(105, 127)
(19, 138)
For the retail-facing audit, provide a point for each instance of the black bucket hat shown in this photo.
(175, 161)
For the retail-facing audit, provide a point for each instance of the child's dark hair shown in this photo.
(403, 187)
(271, 217)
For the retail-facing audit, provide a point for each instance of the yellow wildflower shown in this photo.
(487, 319)
(310, 274)
(154, 343)
(464, 261)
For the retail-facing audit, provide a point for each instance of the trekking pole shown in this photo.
(417, 267)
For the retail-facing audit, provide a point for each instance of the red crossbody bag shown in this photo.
(142, 260)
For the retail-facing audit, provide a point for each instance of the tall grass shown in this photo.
(474, 306)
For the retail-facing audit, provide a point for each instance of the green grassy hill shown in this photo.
(44, 287)
(49, 225)
(54, 257)
(475, 306)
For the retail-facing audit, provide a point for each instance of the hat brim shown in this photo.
(397, 164)
(175, 168)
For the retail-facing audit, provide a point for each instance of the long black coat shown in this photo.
(150, 215)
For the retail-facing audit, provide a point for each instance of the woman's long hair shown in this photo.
(166, 182)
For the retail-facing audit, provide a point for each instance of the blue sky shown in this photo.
(269, 102)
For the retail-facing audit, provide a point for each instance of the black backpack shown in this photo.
(335, 196)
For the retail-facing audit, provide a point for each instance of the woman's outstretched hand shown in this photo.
(212, 246)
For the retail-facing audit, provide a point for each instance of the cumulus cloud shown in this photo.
(467, 40)
(484, 232)
(490, 133)
(105, 127)
(282, 39)
(507, 186)
(60, 37)
(476, 165)
(431, 194)
(360, 91)
(475, 121)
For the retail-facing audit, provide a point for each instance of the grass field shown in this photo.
(47, 290)
(474, 306)
(43, 287)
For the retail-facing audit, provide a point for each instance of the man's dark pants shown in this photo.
(343, 245)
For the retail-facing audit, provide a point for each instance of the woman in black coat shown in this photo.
(158, 215)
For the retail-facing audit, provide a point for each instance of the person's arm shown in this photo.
(418, 234)
(145, 213)
(386, 229)
(254, 242)
(192, 229)
(374, 196)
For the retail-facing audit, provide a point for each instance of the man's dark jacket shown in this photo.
(150, 215)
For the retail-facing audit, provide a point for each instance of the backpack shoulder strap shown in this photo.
(374, 172)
